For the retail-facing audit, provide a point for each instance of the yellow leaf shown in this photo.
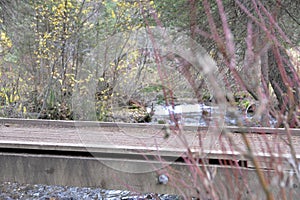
(113, 15)
(3, 36)
(11, 98)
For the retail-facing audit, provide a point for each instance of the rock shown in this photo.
(127, 115)
(133, 112)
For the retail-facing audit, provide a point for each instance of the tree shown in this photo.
(248, 41)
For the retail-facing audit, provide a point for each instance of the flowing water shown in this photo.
(203, 115)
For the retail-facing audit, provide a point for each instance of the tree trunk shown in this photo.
(265, 117)
(285, 83)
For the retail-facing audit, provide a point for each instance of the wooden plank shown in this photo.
(266, 160)
(141, 139)
(68, 124)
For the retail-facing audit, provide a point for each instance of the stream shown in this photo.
(203, 115)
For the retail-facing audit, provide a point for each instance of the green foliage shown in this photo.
(168, 9)
(244, 103)
(160, 99)
(152, 88)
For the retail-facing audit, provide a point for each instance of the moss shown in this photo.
(161, 121)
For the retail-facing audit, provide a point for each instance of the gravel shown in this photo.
(16, 191)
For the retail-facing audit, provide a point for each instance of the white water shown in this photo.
(185, 108)
(188, 114)
(202, 115)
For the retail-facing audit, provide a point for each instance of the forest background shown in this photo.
(46, 46)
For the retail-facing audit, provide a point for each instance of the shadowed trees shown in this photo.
(250, 41)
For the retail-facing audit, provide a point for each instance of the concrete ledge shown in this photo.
(227, 182)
